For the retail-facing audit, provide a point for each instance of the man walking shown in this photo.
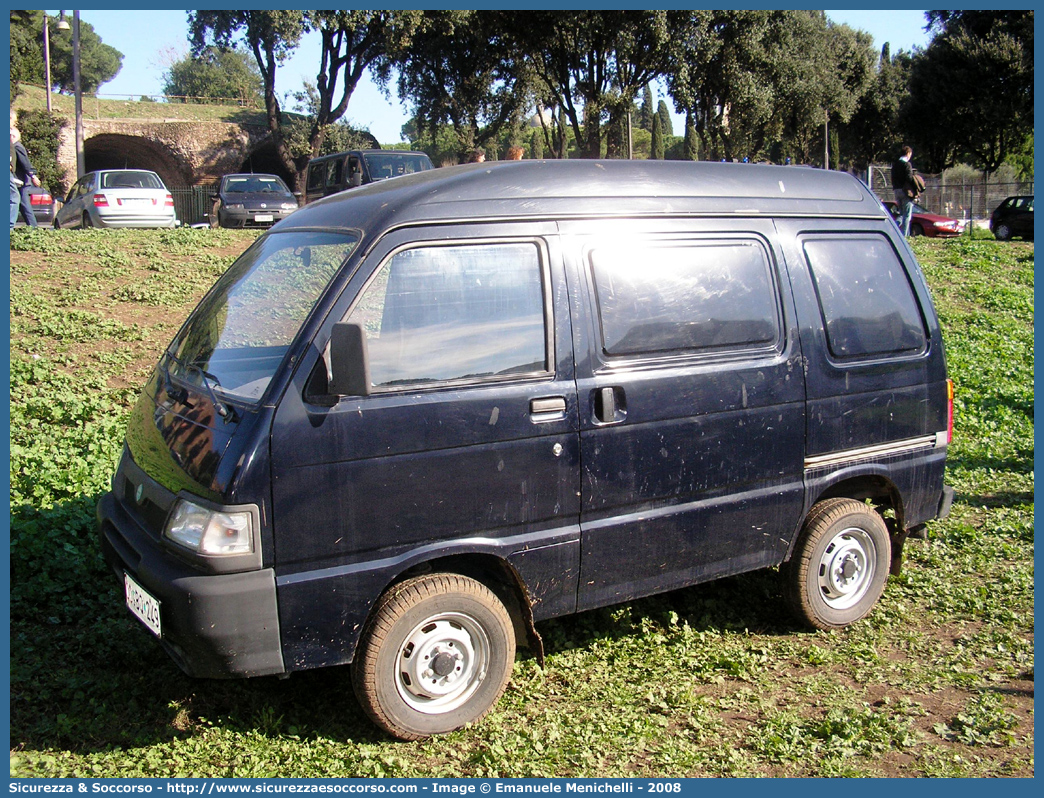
(26, 176)
(904, 188)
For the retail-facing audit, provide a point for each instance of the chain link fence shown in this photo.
(962, 198)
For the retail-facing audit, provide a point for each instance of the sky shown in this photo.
(146, 37)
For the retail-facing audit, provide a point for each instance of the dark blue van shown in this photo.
(414, 420)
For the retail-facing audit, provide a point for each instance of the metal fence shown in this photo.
(958, 199)
(192, 203)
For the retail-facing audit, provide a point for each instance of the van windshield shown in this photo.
(237, 337)
(382, 165)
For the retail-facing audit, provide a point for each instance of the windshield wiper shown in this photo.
(207, 381)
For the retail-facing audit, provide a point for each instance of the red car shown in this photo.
(926, 223)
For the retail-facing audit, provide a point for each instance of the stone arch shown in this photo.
(265, 158)
(121, 151)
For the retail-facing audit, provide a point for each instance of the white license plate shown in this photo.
(135, 201)
(142, 604)
(263, 217)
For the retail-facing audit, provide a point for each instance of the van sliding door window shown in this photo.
(868, 305)
(444, 314)
(703, 296)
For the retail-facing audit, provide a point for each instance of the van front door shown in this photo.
(466, 447)
(691, 403)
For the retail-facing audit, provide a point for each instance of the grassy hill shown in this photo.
(35, 98)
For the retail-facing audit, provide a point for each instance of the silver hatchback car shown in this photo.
(118, 198)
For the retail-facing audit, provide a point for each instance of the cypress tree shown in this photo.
(666, 126)
(645, 113)
(692, 144)
(657, 139)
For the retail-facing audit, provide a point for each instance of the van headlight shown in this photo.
(211, 532)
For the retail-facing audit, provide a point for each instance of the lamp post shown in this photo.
(79, 96)
(62, 25)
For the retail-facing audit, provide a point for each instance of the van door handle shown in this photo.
(608, 405)
(548, 406)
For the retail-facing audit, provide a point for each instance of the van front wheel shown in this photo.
(436, 655)
(839, 568)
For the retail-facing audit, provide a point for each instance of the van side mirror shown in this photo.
(349, 361)
(354, 179)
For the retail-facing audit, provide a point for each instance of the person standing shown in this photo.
(16, 184)
(24, 171)
(904, 188)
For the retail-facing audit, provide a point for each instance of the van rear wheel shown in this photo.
(839, 568)
(436, 654)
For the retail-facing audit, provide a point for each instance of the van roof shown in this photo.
(370, 151)
(554, 189)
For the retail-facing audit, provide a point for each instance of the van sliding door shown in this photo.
(691, 401)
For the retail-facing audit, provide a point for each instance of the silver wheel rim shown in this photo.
(846, 568)
(442, 662)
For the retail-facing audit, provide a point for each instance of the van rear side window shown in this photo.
(698, 296)
(868, 305)
(316, 176)
(450, 313)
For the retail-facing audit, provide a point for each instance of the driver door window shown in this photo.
(440, 314)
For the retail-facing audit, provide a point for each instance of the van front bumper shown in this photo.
(213, 625)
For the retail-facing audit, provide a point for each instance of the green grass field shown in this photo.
(712, 680)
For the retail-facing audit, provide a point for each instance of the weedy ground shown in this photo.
(712, 680)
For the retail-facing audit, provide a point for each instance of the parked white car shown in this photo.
(118, 198)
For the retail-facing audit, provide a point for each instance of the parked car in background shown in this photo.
(43, 206)
(926, 223)
(343, 170)
(118, 198)
(251, 200)
(1013, 217)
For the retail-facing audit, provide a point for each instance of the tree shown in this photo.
(820, 71)
(718, 75)
(99, 63)
(352, 42)
(26, 49)
(215, 73)
(666, 123)
(692, 146)
(645, 112)
(455, 68)
(40, 132)
(976, 77)
(750, 79)
(536, 146)
(591, 64)
(873, 133)
(657, 139)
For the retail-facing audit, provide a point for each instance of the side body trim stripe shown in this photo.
(871, 452)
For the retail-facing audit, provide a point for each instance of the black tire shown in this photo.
(916, 230)
(840, 565)
(436, 654)
(1002, 232)
(85, 221)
